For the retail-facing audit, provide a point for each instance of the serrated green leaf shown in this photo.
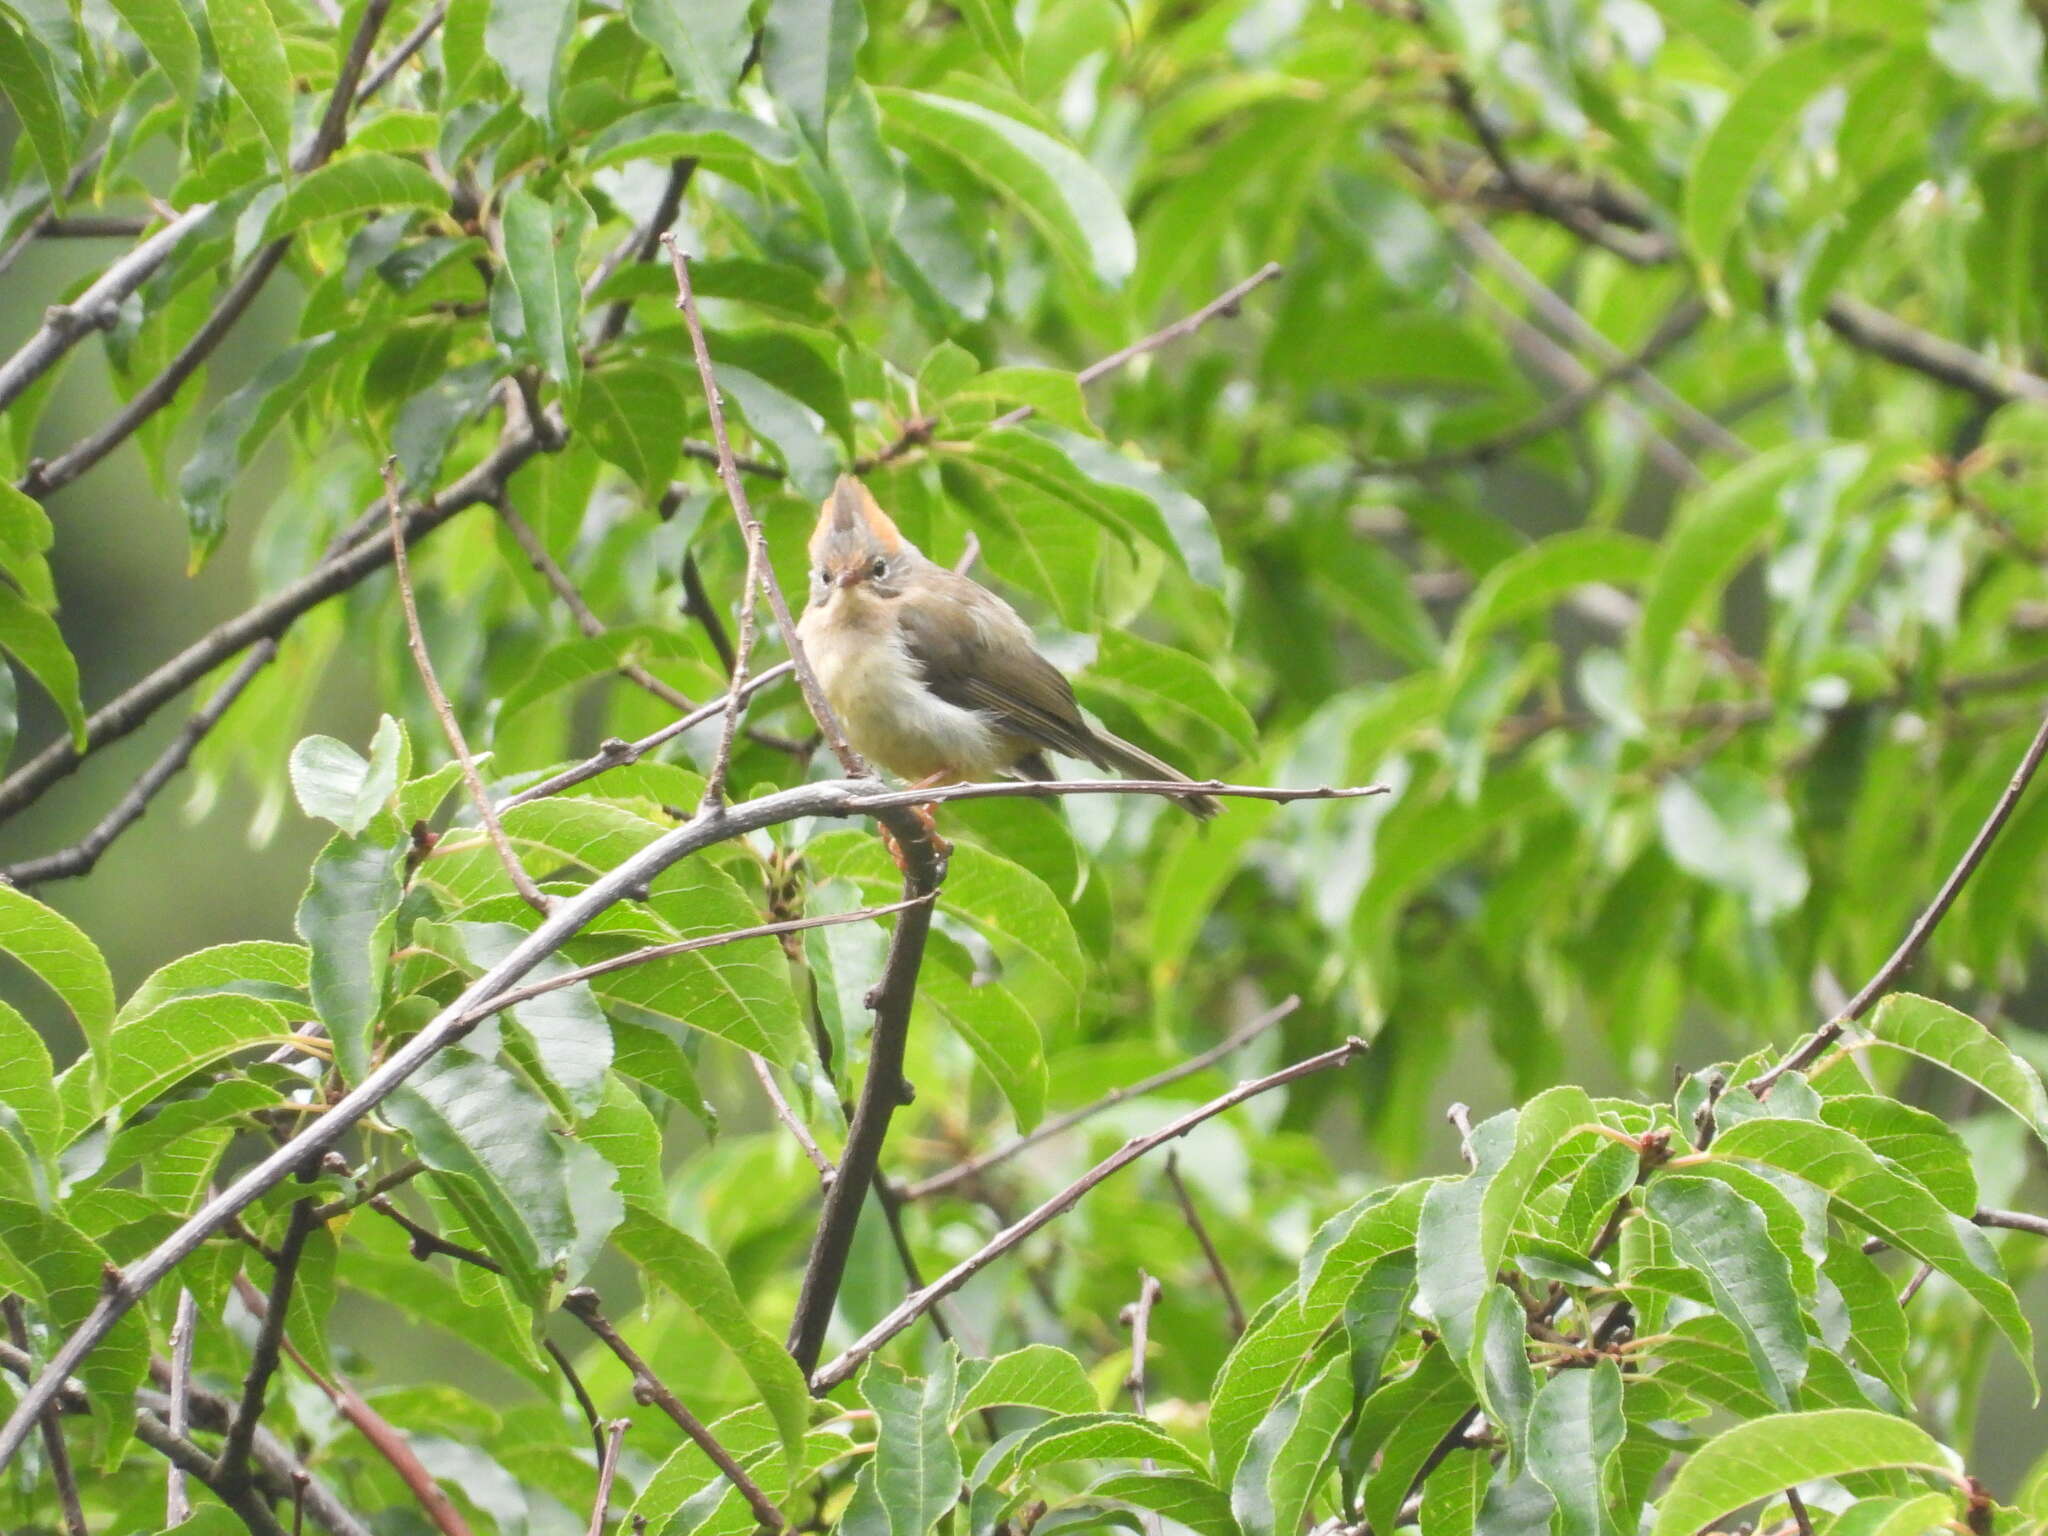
(1726, 1239)
(252, 58)
(346, 918)
(1036, 1376)
(1758, 1460)
(1938, 1033)
(354, 186)
(1289, 1452)
(60, 956)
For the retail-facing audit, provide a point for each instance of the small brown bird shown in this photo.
(934, 676)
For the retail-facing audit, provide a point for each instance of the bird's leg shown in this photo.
(926, 815)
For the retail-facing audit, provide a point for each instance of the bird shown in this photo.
(934, 676)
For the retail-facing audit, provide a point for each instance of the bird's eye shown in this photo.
(879, 568)
(821, 576)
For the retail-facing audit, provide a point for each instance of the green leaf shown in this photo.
(630, 412)
(807, 51)
(1091, 1437)
(916, 1466)
(1036, 1376)
(334, 782)
(1574, 1431)
(60, 956)
(1922, 1144)
(1936, 1032)
(166, 33)
(252, 58)
(1452, 1494)
(347, 919)
(1760, 1459)
(529, 39)
(542, 240)
(259, 968)
(28, 1089)
(704, 41)
(1182, 1497)
(1051, 393)
(1731, 158)
(25, 537)
(1065, 198)
(30, 83)
(1289, 1453)
(1887, 1204)
(698, 1279)
(354, 186)
(1725, 1238)
(1000, 1031)
(1533, 581)
(1995, 45)
(32, 638)
(1712, 537)
(1729, 828)
(995, 29)
(167, 1045)
(543, 1206)
(1156, 680)
(671, 130)
(572, 1043)
(1405, 1421)
(1877, 1333)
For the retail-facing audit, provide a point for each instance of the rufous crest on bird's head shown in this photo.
(855, 543)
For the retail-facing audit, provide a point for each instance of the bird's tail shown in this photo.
(1114, 752)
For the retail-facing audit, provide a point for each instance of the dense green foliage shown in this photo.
(1634, 466)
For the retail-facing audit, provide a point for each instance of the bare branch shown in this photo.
(974, 1167)
(2014, 1221)
(649, 1388)
(644, 246)
(83, 855)
(54, 1450)
(580, 1392)
(231, 1469)
(915, 1306)
(412, 43)
(1200, 1228)
(522, 882)
(43, 222)
(608, 1467)
(177, 1503)
(1944, 361)
(765, 1075)
(1923, 927)
(1137, 1316)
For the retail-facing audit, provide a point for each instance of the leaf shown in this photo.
(671, 130)
(704, 41)
(1052, 394)
(1064, 197)
(1574, 1431)
(916, 1467)
(1726, 1238)
(1091, 1437)
(1921, 1144)
(28, 1089)
(1533, 580)
(995, 29)
(572, 1043)
(30, 84)
(1726, 826)
(60, 956)
(698, 1278)
(1000, 1031)
(542, 240)
(353, 186)
(1036, 1376)
(1936, 1032)
(807, 52)
(149, 1054)
(1877, 1330)
(1760, 1459)
(1731, 158)
(25, 538)
(167, 35)
(1157, 680)
(1995, 45)
(542, 1206)
(1405, 1421)
(333, 782)
(259, 968)
(32, 638)
(1182, 1497)
(1713, 535)
(1289, 1452)
(1887, 1204)
(346, 918)
(630, 412)
(252, 58)
(529, 40)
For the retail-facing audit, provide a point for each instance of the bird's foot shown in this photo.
(927, 817)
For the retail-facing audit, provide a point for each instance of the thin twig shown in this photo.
(697, 604)
(974, 1167)
(582, 1303)
(232, 1466)
(1889, 973)
(608, 1468)
(41, 224)
(765, 1075)
(54, 1449)
(1200, 1228)
(580, 1392)
(915, 1306)
(1137, 1316)
(83, 855)
(177, 1501)
(412, 43)
(644, 246)
(416, 639)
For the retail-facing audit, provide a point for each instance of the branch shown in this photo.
(1200, 1228)
(177, 1503)
(83, 855)
(765, 1075)
(44, 222)
(245, 1500)
(568, 917)
(54, 1451)
(522, 882)
(43, 477)
(1137, 1316)
(607, 1469)
(915, 1306)
(231, 1469)
(645, 244)
(974, 1167)
(1942, 360)
(649, 1388)
(1888, 974)
(414, 41)
(267, 620)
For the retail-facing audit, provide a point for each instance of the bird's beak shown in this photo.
(850, 577)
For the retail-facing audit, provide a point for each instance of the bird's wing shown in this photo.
(955, 631)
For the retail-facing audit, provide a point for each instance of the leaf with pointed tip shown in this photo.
(1757, 1460)
(60, 956)
(1726, 1238)
(334, 782)
(252, 58)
